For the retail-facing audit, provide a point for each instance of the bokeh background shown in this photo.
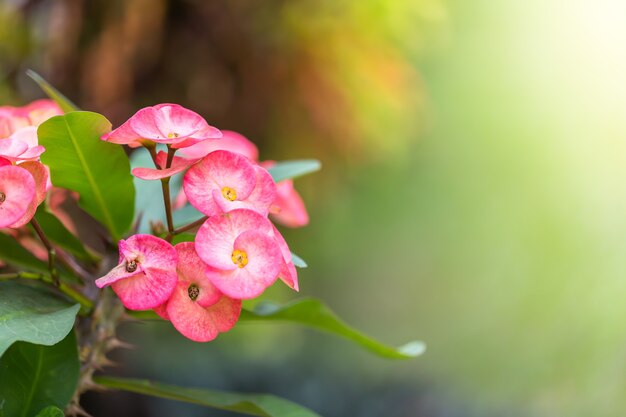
(472, 194)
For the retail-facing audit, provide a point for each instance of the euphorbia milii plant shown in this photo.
(74, 264)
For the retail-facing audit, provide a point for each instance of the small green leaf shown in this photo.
(51, 411)
(16, 255)
(292, 169)
(33, 315)
(59, 235)
(33, 377)
(97, 170)
(263, 405)
(64, 103)
(298, 261)
(315, 314)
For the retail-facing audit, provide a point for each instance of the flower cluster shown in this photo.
(24, 181)
(237, 252)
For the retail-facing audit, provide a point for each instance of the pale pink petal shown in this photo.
(198, 323)
(220, 170)
(118, 273)
(230, 141)
(17, 189)
(264, 261)
(11, 148)
(32, 153)
(147, 290)
(41, 110)
(289, 208)
(123, 135)
(28, 135)
(260, 200)
(216, 237)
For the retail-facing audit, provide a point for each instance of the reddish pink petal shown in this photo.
(217, 171)
(162, 310)
(288, 273)
(178, 165)
(4, 162)
(149, 252)
(216, 237)
(290, 209)
(264, 261)
(40, 174)
(17, 189)
(191, 270)
(198, 323)
(123, 135)
(230, 141)
(146, 290)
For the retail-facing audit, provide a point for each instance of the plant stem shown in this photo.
(182, 229)
(51, 252)
(86, 303)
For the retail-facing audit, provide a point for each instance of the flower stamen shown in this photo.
(3, 197)
(229, 193)
(131, 266)
(193, 291)
(240, 258)
(172, 135)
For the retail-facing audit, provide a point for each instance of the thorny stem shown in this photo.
(52, 255)
(86, 303)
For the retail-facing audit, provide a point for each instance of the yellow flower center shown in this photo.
(229, 193)
(240, 258)
(172, 135)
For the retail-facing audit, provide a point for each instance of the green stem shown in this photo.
(182, 229)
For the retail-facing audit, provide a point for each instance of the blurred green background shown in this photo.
(472, 193)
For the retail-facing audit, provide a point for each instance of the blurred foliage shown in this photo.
(471, 194)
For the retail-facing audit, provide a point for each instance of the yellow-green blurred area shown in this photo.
(472, 194)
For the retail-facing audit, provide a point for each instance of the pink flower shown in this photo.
(17, 191)
(241, 249)
(146, 274)
(178, 165)
(22, 145)
(22, 189)
(288, 209)
(164, 123)
(230, 141)
(288, 273)
(196, 308)
(14, 118)
(223, 181)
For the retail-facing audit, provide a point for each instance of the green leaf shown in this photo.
(33, 377)
(254, 404)
(298, 261)
(59, 235)
(51, 411)
(315, 314)
(16, 255)
(33, 315)
(97, 170)
(292, 169)
(63, 102)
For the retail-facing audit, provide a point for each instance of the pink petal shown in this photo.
(264, 263)
(28, 135)
(41, 110)
(216, 171)
(123, 135)
(216, 237)
(149, 251)
(18, 187)
(41, 175)
(162, 310)
(4, 162)
(116, 274)
(260, 200)
(288, 273)
(146, 290)
(198, 323)
(191, 270)
(178, 165)
(230, 141)
(11, 148)
(290, 210)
